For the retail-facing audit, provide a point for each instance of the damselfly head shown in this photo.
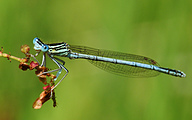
(38, 43)
(44, 48)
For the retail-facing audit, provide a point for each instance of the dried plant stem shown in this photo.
(12, 57)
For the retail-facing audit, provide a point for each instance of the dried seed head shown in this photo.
(47, 88)
(33, 65)
(25, 49)
(24, 66)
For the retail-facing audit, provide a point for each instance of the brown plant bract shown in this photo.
(44, 96)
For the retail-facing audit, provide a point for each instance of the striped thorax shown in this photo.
(59, 49)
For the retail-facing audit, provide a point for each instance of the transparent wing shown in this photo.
(124, 70)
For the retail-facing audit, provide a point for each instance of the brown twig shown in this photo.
(26, 64)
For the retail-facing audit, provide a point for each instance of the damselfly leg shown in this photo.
(59, 70)
(43, 63)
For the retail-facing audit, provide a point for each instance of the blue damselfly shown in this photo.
(119, 63)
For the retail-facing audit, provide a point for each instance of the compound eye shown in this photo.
(35, 40)
(44, 48)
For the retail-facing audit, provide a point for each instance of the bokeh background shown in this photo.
(159, 29)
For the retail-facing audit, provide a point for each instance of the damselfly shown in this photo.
(119, 63)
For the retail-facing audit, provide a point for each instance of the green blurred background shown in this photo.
(159, 29)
